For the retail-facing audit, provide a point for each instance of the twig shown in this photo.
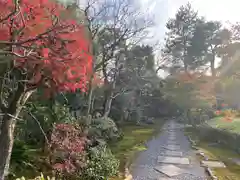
(44, 134)
(3, 114)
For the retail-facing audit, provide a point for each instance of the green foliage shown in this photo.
(23, 159)
(102, 164)
(179, 37)
(103, 129)
(40, 116)
(28, 155)
(41, 177)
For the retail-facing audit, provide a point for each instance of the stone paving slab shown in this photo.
(173, 160)
(172, 147)
(170, 170)
(172, 138)
(172, 142)
(213, 164)
(172, 153)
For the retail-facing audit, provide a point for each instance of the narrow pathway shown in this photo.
(169, 157)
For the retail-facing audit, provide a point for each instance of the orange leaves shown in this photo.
(227, 115)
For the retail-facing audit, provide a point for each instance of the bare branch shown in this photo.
(40, 127)
(120, 93)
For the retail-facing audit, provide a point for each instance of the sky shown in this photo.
(162, 10)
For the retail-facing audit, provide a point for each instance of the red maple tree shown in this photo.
(53, 49)
(43, 46)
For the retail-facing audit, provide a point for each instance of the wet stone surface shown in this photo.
(170, 170)
(213, 164)
(173, 160)
(144, 167)
(172, 153)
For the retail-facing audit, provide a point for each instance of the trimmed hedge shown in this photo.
(223, 137)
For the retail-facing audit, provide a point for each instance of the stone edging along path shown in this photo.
(204, 163)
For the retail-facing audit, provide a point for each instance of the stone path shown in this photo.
(168, 157)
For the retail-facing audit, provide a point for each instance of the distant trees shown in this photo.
(194, 47)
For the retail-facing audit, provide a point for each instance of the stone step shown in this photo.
(172, 147)
(173, 160)
(172, 153)
(173, 142)
(213, 164)
(172, 138)
(170, 170)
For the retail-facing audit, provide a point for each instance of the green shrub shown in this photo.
(103, 129)
(23, 159)
(101, 164)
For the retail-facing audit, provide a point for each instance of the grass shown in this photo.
(221, 123)
(133, 141)
(218, 153)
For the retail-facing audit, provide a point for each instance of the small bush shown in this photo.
(103, 129)
(101, 164)
(68, 149)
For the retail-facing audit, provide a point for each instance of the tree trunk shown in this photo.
(90, 94)
(139, 114)
(7, 129)
(109, 92)
(107, 106)
(188, 117)
(213, 67)
(185, 67)
(125, 115)
(109, 98)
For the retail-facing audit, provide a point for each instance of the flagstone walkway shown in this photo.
(169, 157)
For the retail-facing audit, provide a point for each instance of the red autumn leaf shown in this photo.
(45, 52)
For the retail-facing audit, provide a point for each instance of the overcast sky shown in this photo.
(223, 10)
